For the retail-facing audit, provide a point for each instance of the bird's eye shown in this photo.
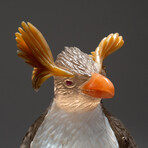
(69, 83)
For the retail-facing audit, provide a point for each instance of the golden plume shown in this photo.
(36, 52)
(108, 45)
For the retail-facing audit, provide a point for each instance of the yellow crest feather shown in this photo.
(108, 45)
(36, 52)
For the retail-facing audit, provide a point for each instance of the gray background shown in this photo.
(82, 24)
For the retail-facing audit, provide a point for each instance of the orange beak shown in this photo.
(99, 86)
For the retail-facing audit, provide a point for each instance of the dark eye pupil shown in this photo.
(68, 83)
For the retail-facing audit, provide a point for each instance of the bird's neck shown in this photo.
(76, 103)
(76, 117)
(64, 128)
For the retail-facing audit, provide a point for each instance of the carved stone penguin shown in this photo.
(77, 117)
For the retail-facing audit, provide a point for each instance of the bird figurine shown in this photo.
(77, 117)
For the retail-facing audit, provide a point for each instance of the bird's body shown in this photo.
(70, 130)
(122, 136)
(76, 118)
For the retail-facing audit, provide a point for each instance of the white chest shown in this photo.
(67, 130)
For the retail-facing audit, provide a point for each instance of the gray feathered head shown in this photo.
(76, 61)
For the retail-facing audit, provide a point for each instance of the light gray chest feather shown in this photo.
(67, 130)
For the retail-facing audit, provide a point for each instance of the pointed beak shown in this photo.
(98, 86)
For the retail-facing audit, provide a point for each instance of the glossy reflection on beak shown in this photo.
(98, 86)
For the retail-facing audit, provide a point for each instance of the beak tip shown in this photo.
(111, 95)
(111, 91)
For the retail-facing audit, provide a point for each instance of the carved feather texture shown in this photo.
(77, 61)
(108, 45)
(63, 130)
(36, 52)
